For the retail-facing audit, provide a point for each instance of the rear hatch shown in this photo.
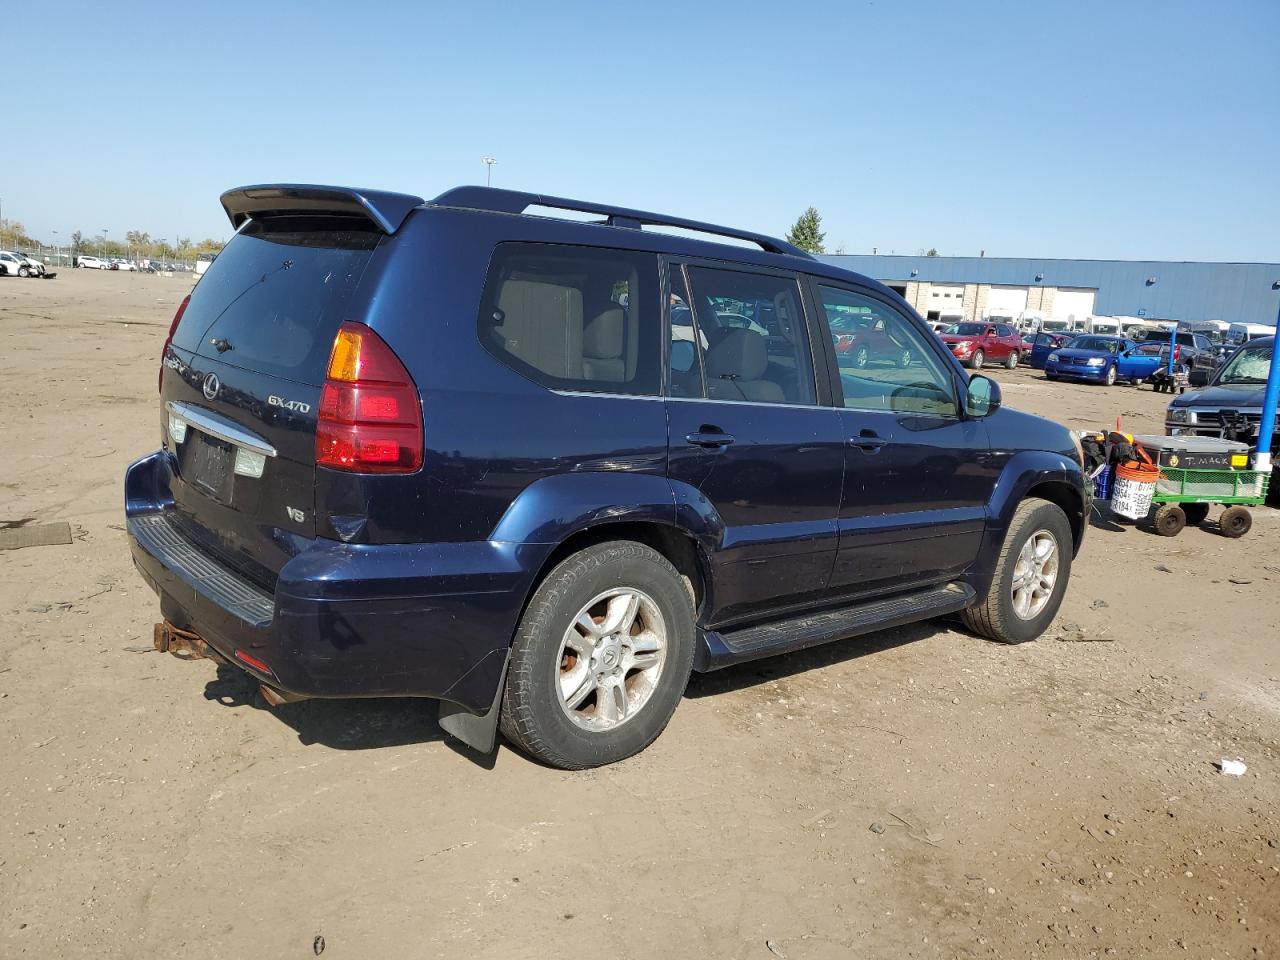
(241, 382)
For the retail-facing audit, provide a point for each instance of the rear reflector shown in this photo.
(253, 662)
(370, 418)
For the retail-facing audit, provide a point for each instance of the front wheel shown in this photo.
(24, 271)
(1110, 376)
(1031, 576)
(601, 657)
(904, 358)
(1170, 520)
(860, 357)
(978, 359)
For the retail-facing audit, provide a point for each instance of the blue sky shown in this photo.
(1077, 129)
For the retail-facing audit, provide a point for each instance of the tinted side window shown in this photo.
(1004, 331)
(897, 372)
(574, 318)
(751, 336)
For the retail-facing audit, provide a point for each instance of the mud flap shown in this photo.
(477, 731)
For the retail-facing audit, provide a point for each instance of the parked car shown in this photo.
(861, 338)
(91, 263)
(546, 514)
(1227, 403)
(14, 264)
(1039, 346)
(1195, 350)
(1100, 359)
(974, 343)
(121, 264)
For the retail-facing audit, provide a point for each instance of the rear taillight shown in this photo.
(177, 318)
(370, 419)
(1177, 352)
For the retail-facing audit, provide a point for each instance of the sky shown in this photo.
(1134, 130)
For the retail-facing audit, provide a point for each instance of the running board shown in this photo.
(716, 650)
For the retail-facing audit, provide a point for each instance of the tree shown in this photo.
(933, 252)
(77, 242)
(807, 232)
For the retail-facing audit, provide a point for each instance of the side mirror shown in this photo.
(982, 397)
(1198, 378)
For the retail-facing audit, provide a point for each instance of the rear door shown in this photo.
(242, 378)
(747, 434)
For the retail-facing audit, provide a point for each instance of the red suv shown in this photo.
(861, 338)
(974, 343)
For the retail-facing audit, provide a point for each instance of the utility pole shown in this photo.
(488, 169)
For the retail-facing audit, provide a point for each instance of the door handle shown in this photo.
(713, 439)
(868, 441)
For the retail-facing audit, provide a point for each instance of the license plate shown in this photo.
(209, 466)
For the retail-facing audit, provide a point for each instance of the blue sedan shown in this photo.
(1099, 359)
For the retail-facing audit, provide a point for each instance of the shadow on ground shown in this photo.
(366, 724)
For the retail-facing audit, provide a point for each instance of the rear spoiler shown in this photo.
(385, 210)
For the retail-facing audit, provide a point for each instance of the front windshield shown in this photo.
(967, 329)
(1095, 343)
(1250, 365)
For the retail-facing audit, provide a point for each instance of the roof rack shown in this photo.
(514, 201)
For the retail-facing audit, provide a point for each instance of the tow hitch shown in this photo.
(183, 644)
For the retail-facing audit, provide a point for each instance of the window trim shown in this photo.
(946, 359)
(821, 388)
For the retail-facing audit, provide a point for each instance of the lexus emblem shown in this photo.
(211, 386)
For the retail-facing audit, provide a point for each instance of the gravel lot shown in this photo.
(916, 793)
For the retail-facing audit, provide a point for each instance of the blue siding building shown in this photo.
(1154, 289)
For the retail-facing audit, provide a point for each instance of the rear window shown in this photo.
(275, 295)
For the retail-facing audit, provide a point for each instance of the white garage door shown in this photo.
(1006, 302)
(945, 300)
(1073, 303)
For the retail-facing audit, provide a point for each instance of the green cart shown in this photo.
(1184, 496)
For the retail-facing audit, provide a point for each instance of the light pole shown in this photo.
(488, 169)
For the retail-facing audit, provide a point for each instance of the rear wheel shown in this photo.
(904, 358)
(1011, 362)
(1235, 522)
(1195, 513)
(601, 657)
(978, 359)
(1170, 520)
(1031, 576)
(860, 357)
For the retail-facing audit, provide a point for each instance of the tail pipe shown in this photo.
(186, 645)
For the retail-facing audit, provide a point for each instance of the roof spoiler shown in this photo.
(513, 201)
(385, 210)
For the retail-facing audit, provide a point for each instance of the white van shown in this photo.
(1239, 333)
(1107, 326)
(203, 261)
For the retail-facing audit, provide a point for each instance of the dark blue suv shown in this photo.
(539, 469)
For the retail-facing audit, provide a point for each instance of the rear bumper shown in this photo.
(345, 620)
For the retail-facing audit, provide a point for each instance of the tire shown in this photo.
(978, 359)
(1170, 520)
(1051, 376)
(1109, 378)
(1235, 522)
(1195, 513)
(1011, 362)
(546, 653)
(995, 615)
(860, 357)
(24, 271)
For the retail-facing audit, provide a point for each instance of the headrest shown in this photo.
(741, 355)
(602, 338)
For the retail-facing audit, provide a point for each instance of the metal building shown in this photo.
(974, 287)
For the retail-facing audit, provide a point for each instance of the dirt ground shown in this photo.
(916, 793)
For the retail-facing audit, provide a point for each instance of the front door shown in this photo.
(918, 476)
(749, 445)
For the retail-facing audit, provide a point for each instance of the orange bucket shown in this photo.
(1138, 472)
